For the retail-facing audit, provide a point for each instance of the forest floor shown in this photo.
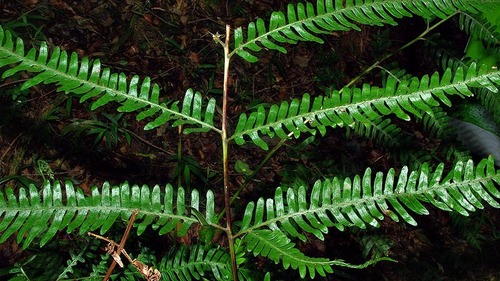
(171, 42)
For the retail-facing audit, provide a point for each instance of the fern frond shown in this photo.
(469, 229)
(32, 212)
(436, 124)
(474, 113)
(73, 261)
(303, 22)
(456, 154)
(87, 80)
(368, 103)
(375, 245)
(446, 60)
(490, 101)
(276, 246)
(366, 200)
(413, 158)
(192, 263)
(480, 27)
(382, 131)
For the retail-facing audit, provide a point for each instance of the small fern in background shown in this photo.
(271, 227)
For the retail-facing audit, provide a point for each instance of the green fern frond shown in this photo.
(375, 246)
(456, 154)
(365, 200)
(382, 131)
(474, 113)
(436, 124)
(303, 22)
(192, 263)
(480, 27)
(276, 246)
(446, 60)
(490, 101)
(73, 261)
(413, 157)
(368, 103)
(100, 269)
(469, 229)
(32, 212)
(87, 80)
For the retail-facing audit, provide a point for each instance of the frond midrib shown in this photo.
(385, 197)
(97, 209)
(103, 89)
(356, 105)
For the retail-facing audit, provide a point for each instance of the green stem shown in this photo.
(377, 63)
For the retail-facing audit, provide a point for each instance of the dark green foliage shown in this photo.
(383, 131)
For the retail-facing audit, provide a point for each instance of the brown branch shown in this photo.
(225, 156)
(122, 243)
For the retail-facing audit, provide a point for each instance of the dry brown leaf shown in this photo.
(302, 60)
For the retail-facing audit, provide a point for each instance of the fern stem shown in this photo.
(225, 158)
(179, 157)
(377, 63)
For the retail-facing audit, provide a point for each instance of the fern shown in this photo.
(192, 263)
(278, 247)
(33, 213)
(480, 27)
(436, 124)
(75, 259)
(446, 60)
(382, 131)
(375, 246)
(490, 101)
(469, 229)
(303, 22)
(89, 81)
(361, 105)
(414, 158)
(363, 201)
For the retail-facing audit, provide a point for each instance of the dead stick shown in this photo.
(122, 243)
